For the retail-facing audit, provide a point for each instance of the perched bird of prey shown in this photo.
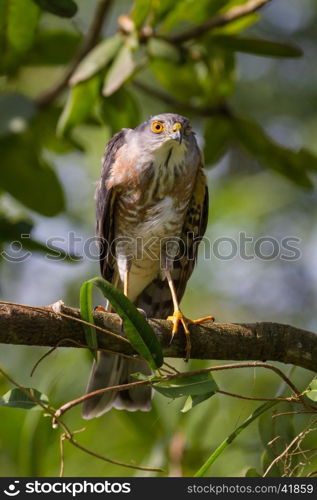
(152, 209)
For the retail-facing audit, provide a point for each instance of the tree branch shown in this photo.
(88, 42)
(217, 21)
(92, 35)
(60, 325)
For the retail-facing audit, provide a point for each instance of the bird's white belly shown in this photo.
(143, 244)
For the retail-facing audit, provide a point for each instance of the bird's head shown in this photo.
(166, 128)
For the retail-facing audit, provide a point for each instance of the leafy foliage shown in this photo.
(195, 385)
(201, 72)
(137, 329)
(16, 398)
(312, 390)
(215, 454)
(63, 8)
(86, 312)
(97, 59)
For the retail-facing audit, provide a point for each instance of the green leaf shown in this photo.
(86, 313)
(129, 60)
(79, 106)
(217, 136)
(22, 21)
(53, 252)
(185, 82)
(220, 78)
(62, 8)
(221, 448)
(192, 401)
(193, 385)
(312, 390)
(43, 129)
(16, 398)
(190, 11)
(238, 25)
(53, 48)
(137, 329)
(12, 229)
(97, 59)
(16, 111)
(20, 231)
(291, 164)
(27, 177)
(158, 48)
(252, 473)
(140, 11)
(257, 46)
(150, 12)
(267, 432)
(120, 110)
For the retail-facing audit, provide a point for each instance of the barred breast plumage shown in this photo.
(147, 216)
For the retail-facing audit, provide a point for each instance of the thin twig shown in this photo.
(67, 433)
(88, 42)
(217, 21)
(287, 413)
(116, 462)
(257, 364)
(171, 367)
(289, 446)
(61, 449)
(251, 398)
(74, 402)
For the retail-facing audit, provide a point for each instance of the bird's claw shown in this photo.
(178, 318)
(100, 308)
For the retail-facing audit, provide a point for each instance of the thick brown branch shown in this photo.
(88, 42)
(217, 21)
(41, 326)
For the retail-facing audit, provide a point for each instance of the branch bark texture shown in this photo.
(42, 326)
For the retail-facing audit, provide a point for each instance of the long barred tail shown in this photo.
(111, 370)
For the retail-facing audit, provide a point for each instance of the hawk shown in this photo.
(152, 210)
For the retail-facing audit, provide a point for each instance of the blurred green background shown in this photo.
(253, 105)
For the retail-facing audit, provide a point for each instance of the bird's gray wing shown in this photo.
(105, 207)
(193, 230)
(110, 370)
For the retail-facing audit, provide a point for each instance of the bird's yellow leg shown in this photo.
(178, 318)
(126, 283)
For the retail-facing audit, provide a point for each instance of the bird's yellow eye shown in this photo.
(157, 127)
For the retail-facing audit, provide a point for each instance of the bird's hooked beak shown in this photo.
(177, 134)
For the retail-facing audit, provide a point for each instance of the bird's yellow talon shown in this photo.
(202, 320)
(100, 308)
(178, 318)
